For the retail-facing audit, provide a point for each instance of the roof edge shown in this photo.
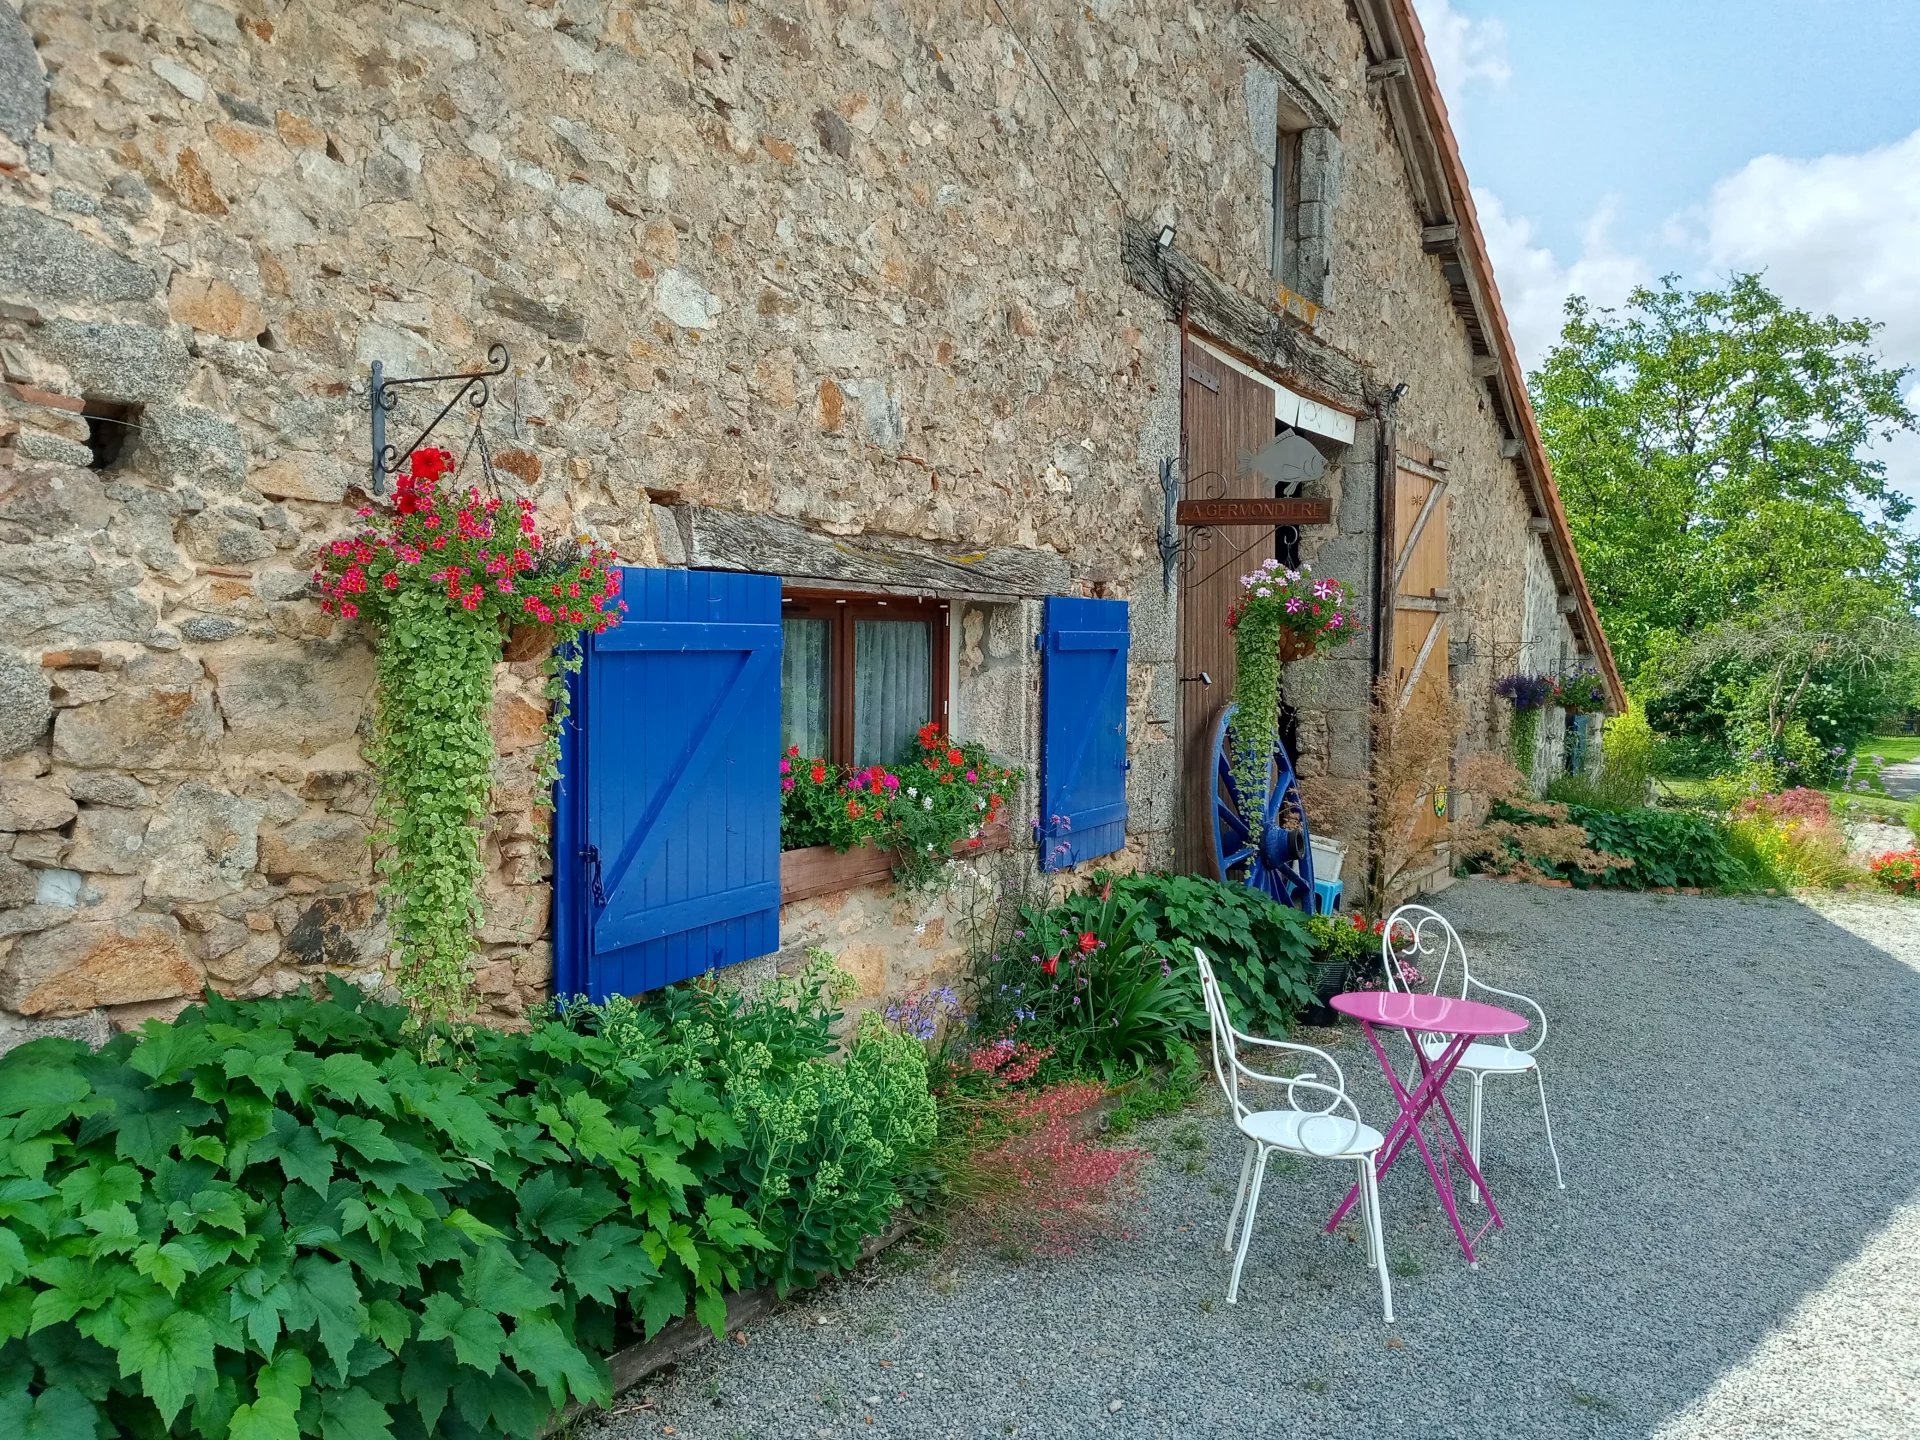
(1472, 248)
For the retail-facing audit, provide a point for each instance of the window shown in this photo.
(1286, 207)
(860, 674)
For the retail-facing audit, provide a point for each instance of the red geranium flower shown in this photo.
(819, 773)
(955, 758)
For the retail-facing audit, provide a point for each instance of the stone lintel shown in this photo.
(728, 540)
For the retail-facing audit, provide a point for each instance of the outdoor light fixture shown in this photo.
(1166, 236)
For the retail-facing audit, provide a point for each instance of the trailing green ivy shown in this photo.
(1527, 693)
(1521, 740)
(276, 1219)
(433, 756)
(1256, 697)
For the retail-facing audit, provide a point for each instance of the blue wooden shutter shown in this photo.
(1083, 730)
(670, 787)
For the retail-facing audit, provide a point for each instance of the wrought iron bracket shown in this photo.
(383, 396)
(1169, 536)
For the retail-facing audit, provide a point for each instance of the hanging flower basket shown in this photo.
(529, 641)
(1281, 616)
(1527, 694)
(452, 578)
(1580, 692)
(1296, 646)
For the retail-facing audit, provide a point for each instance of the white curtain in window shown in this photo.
(892, 687)
(805, 685)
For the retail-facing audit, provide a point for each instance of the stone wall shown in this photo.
(837, 264)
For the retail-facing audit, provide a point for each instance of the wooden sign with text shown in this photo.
(1300, 510)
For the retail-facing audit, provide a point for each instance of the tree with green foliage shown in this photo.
(1714, 452)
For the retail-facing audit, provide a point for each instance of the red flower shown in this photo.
(853, 810)
(1050, 966)
(1089, 942)
(819, 773)
(955, 758)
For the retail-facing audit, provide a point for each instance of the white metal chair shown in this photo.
(1420, 950)
(1334, 1131)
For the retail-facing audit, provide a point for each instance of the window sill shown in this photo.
(822, 870)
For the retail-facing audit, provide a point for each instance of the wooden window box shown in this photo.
(822, 870)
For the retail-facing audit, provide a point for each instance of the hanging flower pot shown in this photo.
(1527, 694)
(1282, 616)
(450, 579)
(1295, 645)
(528, 641)
(1580, 692)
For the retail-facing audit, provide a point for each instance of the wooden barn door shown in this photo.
(1226, 418)
(1420, 601)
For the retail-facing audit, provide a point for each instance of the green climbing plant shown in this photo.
(433, 753)
(440, 577)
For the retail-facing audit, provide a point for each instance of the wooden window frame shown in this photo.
(843, 609)
(1283, 242)
(820, 869)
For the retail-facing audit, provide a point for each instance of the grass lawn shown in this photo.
(1891, 748)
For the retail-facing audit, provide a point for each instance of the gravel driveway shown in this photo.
(1737, 1100)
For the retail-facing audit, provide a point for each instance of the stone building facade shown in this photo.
(889, 297)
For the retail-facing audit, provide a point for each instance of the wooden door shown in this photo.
(1421, 598)
(1226, 418)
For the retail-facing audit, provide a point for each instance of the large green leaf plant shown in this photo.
(276, 1219)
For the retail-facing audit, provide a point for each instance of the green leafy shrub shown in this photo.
(1261, 950)
(276, 1219)
(1629, 759)
(1666, 847)
(825, 1138)
(1106, 983)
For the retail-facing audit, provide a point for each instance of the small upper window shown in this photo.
(860, 674)
(1285, 238)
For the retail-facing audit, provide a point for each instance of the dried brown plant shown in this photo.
(1415, 757)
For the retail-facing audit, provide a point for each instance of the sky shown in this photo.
(1610, 142)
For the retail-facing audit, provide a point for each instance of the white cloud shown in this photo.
(1534, 284)
(1465, 51)
(1837, 234)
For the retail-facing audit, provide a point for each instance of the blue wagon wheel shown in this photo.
(1269, 849)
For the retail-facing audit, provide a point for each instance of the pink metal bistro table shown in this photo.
(1460, 1023)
